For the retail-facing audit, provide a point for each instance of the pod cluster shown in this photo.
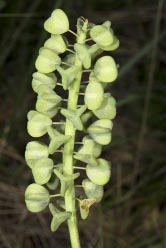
(57, 66)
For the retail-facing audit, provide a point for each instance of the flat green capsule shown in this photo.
(112, 47)
(92, 190)
(37, 198)
(48, 101)
(58, 23)
(99, 174)
(56, 43)
(100, 131)
(107, 110)
(74, 116)
(42, 170)
(101, 35)
(105, 69)
(90, 147)
(47, 60)
(35, 150)
(58, 217)
(38, 124)
(94, 95)
(68, 75)
(56, 142)
(84, 55)
(43, 79)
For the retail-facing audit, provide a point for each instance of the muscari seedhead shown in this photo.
(57, 64)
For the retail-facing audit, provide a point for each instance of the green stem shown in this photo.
(68, 160)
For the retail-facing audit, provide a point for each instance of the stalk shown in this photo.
(68, 160)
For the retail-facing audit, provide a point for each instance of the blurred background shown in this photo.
(133, 211)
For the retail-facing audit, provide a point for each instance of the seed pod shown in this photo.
(113, 46)
(65, 181)
(36, 198)
(58, 23)
(90, 147)
(94, 95)
(53, 183)
(68, 75)
(100, 131)
(105, 69)
(107, 110)
(47, 101)
(92, 190)
(35, 150)
(43, 79)
(47, 60)
(57, 139)
(31, 114)
(99, 174)
(84, 205)
(84, 55)
(58, 217)
(101, 35)
(56, 43)
(42, 170)
(38, 123)
(74, 117)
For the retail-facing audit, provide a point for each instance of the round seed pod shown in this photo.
(42, 170)
(58, 23)
(100, 131)
(99, 174)
(47, 101)
(101, 35)
(107, 110)
(84, 55)
(90, 147)
(47, 60)
(43, 79)
(38, 123)
(92, 190)
(105, 69)
(36, 198)
(112, 47)
(94, 95)
(56, 43)
(35, 150)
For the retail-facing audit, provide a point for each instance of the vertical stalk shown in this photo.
(68, 159)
